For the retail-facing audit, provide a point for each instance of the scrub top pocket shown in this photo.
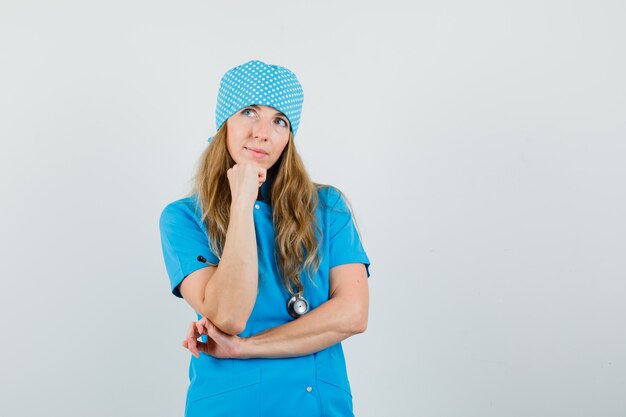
(238, 395)
(335, 394)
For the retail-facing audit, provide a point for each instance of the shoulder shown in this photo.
(184, 209)
(331, 197)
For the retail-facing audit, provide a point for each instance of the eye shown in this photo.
(280, 120)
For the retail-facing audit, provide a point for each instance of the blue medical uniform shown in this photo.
(311, 385)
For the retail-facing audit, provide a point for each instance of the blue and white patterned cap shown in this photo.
(256, 82)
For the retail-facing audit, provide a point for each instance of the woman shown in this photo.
(271, 262)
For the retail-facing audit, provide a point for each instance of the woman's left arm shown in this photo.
(343, 315)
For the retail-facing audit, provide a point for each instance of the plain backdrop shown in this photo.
(481, 144)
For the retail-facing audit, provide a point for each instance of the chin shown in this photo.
(257, 163)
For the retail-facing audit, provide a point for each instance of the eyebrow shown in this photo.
(256, 106)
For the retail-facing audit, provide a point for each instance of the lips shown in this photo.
(258, 150)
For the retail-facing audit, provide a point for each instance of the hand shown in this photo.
(219, 345)
(245, 180)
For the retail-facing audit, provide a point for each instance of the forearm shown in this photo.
(231, 293)
(324, 326)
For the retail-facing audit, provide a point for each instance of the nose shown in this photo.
(261, 129)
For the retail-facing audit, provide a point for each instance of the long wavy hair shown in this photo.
(293, 198)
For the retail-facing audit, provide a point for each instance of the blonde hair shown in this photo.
(293, 198)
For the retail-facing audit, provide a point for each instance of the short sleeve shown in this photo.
(344, 242)
(183, 240)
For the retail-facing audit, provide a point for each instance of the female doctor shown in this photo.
(270, 261)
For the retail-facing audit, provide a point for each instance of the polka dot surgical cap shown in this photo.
(256, 82)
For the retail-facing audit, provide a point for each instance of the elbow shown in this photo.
(360, 327)
(227, 323)
(358, 324)
(230, 325)
(229, 319)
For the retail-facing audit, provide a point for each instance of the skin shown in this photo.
(343, 315)
(213, 292)
(260, 127)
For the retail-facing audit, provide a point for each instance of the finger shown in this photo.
(185, 344)
(192, 337)
(191, 331)
(200, 329)
(192, 351)
(211, 330)
(202, 347)
(193, 346)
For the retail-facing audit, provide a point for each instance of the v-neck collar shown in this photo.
(265, 192)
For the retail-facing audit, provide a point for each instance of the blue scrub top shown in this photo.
(310, 385)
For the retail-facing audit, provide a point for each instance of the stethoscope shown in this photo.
(297, 305)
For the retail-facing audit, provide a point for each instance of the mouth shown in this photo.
(258, 153)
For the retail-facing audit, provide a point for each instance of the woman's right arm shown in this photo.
(225, 294)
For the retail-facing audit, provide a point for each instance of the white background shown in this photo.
(480, 143)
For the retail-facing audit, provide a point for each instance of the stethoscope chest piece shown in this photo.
(297, 305)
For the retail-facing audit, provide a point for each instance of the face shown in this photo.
(257, 135)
